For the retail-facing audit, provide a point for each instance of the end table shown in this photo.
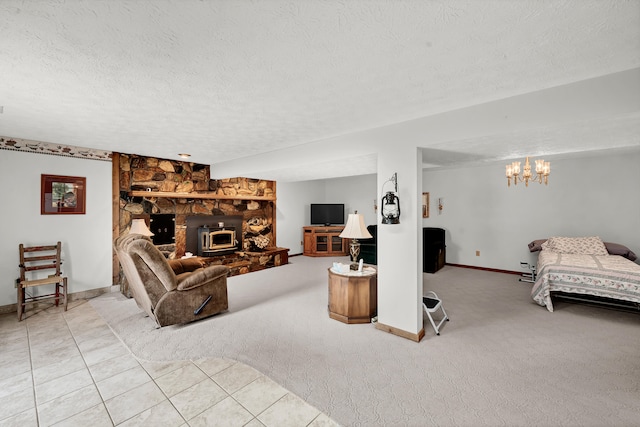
(353, 296)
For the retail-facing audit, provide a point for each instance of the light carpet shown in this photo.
(502, 360)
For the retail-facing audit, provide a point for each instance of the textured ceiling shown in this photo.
(229, 79)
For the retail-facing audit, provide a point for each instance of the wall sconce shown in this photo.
(440, 205)
(391, 203)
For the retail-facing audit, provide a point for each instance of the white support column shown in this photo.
(400, 246)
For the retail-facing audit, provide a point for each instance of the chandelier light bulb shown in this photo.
(542, 171)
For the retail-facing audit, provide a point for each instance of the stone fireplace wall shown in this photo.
(155, 186)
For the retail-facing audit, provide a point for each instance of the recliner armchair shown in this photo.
(170, 295)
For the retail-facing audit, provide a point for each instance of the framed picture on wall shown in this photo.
(62, 195)
(425, 205)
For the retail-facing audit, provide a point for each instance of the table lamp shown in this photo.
(139, 226)
(354, 230)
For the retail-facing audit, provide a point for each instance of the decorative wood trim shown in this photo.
(401, 333)
(210, 196)
(39, 147)
(273, 225)
(495, 270)
(115, 214)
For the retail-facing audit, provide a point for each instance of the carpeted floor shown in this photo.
(501, 360)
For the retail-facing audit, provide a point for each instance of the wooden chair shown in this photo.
(34, 263)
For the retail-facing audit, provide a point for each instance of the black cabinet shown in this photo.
(434, 252)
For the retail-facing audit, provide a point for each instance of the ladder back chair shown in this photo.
(40, 265)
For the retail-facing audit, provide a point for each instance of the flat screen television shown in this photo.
(327, 213)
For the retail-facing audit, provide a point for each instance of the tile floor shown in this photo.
(69, 369)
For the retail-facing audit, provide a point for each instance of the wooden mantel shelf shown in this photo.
(210, 196)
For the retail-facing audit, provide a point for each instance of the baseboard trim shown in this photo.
(92, 293)
(495, 270)
(401, 333)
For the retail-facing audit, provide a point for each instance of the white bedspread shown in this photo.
(609, 276)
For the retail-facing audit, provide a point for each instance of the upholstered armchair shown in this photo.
(171, 292)
(369, 247)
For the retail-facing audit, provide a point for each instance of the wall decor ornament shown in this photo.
(425, 205)
(39, 147)
(62, 195)
(391, 202)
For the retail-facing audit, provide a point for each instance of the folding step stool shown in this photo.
(431, 304)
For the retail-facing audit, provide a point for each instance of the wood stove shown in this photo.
(214, 240)
(225, 243)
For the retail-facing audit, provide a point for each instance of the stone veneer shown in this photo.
(139, 173)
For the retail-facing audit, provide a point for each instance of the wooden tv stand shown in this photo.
(324, 241)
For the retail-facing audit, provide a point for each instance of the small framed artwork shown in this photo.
(425, 205)
(62, 195)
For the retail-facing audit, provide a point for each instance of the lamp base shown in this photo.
(354, 250)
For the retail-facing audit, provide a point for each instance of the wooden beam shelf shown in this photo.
(209, 196)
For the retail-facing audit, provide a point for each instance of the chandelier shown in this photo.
(542, 172)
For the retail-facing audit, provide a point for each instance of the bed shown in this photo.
(585, 267)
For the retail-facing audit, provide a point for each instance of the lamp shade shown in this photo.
(138, 226)
(355, 228)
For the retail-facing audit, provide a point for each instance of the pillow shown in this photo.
(576, 245)
(536, 245)
(617, 249)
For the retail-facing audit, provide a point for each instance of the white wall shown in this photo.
(293, 199)
(357, 193)
(399, 246)
(86, 239)
(586, 196)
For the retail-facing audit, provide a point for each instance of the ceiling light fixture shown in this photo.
(542, 172)
(184, 155)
